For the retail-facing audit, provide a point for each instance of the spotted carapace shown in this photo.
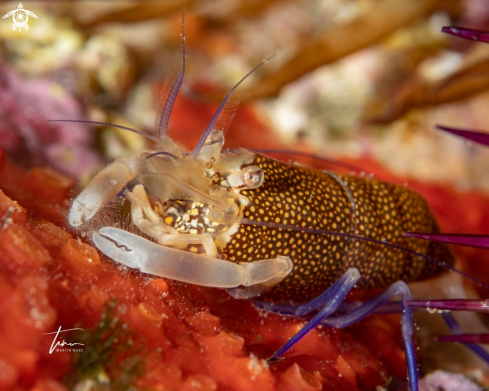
(303, 197)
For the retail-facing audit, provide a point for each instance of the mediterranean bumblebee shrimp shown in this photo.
(253, 225)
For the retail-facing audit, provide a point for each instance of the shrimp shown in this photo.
(244, 222)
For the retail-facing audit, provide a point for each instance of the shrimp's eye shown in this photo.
(248, 178)
(253, 177)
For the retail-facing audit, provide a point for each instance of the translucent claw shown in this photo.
(104, 187)
(136, 252)
(120, 253)
(79, 213)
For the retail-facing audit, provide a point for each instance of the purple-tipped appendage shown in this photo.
(476, 305)
(464, 338)
(478, 241)
(471, 135)
(462, 32)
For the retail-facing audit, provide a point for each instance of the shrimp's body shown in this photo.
(259, 227)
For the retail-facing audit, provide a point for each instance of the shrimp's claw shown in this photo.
(104, 187)
(136, 252)
(121, 246)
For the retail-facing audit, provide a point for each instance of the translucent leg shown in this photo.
(140, 198)
(184, 240)
(471, 305)
(151, 224)
(144, 217)
(393, 307)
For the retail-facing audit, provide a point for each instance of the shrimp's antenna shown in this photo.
(163, 154)
(106, 124)
(310, 155)
(173, 82)
(225, 113)
(471, 240)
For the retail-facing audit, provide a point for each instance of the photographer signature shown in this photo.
(62, 343)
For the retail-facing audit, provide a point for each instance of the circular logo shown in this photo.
(20, 18)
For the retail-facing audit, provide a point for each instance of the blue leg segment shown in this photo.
(398, 288)
(332, 299)
(349, 279)
(391, 307)
(457, 330)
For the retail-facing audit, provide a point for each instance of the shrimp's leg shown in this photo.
(332, 300)
(136, 252)
(457, 330)
(180, 241)
(398, 288)
(105, 186)
(152, 224)
(329, 300)
(143, 215)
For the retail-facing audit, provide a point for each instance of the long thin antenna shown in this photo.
(173, 82)
(106, 124)
(311, 155)
(163, 154)
(477, 241)
(214, 119)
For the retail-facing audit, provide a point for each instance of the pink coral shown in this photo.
(445, 381)
(25, 107)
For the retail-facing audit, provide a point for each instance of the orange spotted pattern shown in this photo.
(304, 197)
